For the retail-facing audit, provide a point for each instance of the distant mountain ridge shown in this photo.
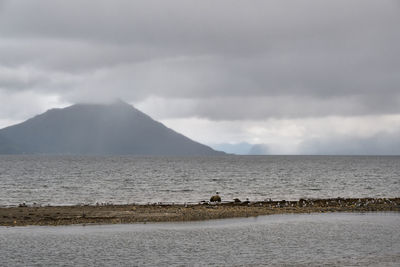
(97, 129)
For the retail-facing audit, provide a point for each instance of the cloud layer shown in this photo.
(220, 61)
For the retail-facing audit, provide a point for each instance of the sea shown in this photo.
(72, 180)
(333, 239)
(336, 239)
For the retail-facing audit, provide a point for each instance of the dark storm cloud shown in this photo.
(228, 59)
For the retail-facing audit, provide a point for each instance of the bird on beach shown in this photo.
(215, 198)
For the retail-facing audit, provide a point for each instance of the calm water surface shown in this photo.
(67, 180)
(279, 240)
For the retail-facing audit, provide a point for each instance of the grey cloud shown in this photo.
(229, 60)
(21, 79)
(380, 144)
(259, 108)
(73, 55)
(17, 80)
(207, 23)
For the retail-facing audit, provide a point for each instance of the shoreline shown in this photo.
(136, 213)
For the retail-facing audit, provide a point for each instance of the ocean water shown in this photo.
(68, 180)
(338, 239)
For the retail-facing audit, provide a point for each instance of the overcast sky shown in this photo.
(307, 76)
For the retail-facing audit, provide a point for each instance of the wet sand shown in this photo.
(133, 213)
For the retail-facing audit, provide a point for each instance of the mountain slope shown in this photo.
(98, 129)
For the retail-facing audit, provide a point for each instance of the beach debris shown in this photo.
(215, 198)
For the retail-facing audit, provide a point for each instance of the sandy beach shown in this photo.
(134, 213)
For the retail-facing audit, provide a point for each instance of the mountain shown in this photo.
(97, 129)
(7, 147)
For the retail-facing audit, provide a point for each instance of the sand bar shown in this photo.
(134, 213)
